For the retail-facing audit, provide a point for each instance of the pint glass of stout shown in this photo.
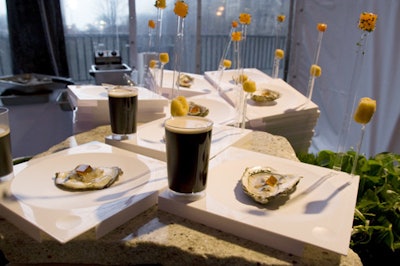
(122, 103)
(6, 163)
(188, 141)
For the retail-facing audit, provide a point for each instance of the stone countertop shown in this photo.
(160, 238)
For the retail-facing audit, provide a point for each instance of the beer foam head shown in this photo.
(121, 92)
(4, 130)
(188, 124)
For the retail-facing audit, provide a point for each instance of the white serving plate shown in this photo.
(220, 112)
(149, 139)
(290, 100)
(36, 205)
(320, 211)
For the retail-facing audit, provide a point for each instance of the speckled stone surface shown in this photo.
(157, 237)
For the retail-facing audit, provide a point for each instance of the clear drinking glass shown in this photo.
(188, 142)
(6, 160)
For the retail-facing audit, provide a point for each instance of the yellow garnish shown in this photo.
(161, 4)
(164, 58)
(179, 106)
(315, 70)
(235, 24)
(321, 27)
(279, 53)
(280, 18)
(152, 24)
(249, 86)
(271, 181)
(245, 18)
(365, 110)
(153, 63)
(367, 21)
(236, 36)
(227, 63)
(181, 9)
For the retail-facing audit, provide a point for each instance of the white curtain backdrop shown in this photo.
(379, 71)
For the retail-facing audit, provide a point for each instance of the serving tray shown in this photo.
(319, 212)
(32, 202)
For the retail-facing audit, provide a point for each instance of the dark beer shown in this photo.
(122, 103)
(6, 165)
(188, 141)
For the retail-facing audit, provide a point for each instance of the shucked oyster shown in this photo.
(265, 95)
(85, 177)
(185, 80)
(197, 109)
(263, 184)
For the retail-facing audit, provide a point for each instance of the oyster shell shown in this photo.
(85, 177)
(185, 80)
(265, 95)
(263, 184)
(197, 109)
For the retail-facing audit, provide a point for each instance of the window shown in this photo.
(5, 59)
(90, 24)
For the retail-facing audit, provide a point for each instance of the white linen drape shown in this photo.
(380, 71)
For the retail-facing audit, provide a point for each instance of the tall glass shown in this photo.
(6, 161)
(123, 106)
(188, 142)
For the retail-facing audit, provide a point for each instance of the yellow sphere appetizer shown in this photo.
(280, 18)
(181, 9)
(235, 24)
(367, 21)
(161, 4)
(179, 106)
(321, 27)
(365, 110)
(153, 63)
(227, 63)
(152, 24)
(236, 36)
(315, 70)
(279, 53)
(164, 58)
(249, 86)
(245, 18)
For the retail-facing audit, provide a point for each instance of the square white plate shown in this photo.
(319, 212)
(33, 202)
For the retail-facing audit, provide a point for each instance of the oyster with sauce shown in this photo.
(264, 184)
(265, 95)
(185, 80)
(85, 177)
(197, 110)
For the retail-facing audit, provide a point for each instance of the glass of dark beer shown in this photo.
(188, 142)
(123, 106)
(6, 161)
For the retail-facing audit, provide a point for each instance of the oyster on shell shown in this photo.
(85, 177)
(185, 80)
(197, 110)
(265, 95)
(263, 184)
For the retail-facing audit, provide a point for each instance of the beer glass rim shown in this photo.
(208, 124)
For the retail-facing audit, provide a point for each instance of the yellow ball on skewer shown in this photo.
(227, 63)
(164, 58)
(315, 70)
(249, 86)
(365, 110)
(279, 53)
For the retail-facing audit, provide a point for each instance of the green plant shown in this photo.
(376, 224)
